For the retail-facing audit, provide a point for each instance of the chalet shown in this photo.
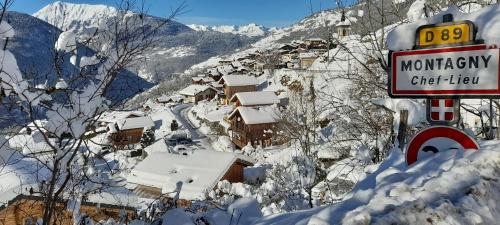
(248, 63)
(195, 93)
(315, 43)
(30, 140)
(113, 116)
(226, 69)
(257, 98)
(21, 205)
(233, 84)
(289, 56)
(214, 73)
(170, 99)
(288, 47)
(28, 209)
(202, 80)
(252, 125)
(307, 59)
(129, 131)
(258, 66)
(195, 173)
(225, 62)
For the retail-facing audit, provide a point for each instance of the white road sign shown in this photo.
(468, 71)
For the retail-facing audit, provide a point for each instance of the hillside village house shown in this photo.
(202, 80)
(195, 173)
(195, 93)
(21, 205)
(307, 59)
(214, 73)
(129, 131)
(225, 62)
(27, 209)
(170, 99)
(233, 84)
(315, 43)
(252, 125)
(256, 98)
(113, 116)
(31, 140)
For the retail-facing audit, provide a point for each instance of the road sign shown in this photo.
(443, 111)
(452, 33)
(437, 139)
(467, 72)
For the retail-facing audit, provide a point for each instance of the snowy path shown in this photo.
(180, 112)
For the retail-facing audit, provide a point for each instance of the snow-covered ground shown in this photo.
(454, 187)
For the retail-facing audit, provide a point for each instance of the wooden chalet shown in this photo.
(252, 125)
(315, 43)
(202, 80)
(170, 99)
(233, 84)
(288, 47)
(129, 131)
(225, 62)
(193, 172)
(27, 209)
(195, 93)
(257, 98)
(113, 116)
(307, 59)
(214, 73)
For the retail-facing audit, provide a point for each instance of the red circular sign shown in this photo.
(426, 135)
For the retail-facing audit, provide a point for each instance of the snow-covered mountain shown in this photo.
(33, 44)
(75, 17)
(179, 46)
(251, 30)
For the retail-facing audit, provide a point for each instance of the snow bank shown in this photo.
(453, 187)
(486, 19)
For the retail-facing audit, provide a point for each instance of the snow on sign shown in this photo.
(443, 111)
(467, 71)
(437, 139)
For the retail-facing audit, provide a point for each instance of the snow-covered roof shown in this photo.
(225, 69)
(252, 115)
(308, 55)
(202, 78)
(22, 173)
(238, 80)
(174, 98)
(315, 39)
(236, 64)
(193, 89)
(113, 116)
(256, 98)
(199, 171)
(344, 23)
(135, 122)
(159, 146)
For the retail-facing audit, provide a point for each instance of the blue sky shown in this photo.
(214, 12)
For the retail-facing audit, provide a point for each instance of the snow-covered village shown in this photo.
(309, 112)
